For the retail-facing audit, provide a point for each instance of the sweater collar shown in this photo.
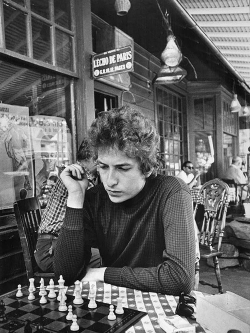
(140, 196)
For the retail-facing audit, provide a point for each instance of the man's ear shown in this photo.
(149, 173)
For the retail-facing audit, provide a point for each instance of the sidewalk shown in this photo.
(235, 279)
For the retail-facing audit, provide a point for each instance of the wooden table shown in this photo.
(152, 303)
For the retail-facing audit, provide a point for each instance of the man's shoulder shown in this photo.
(172, 183)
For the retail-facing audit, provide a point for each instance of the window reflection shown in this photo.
(35, 131)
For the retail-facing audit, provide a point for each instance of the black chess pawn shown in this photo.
(12, 327)
(27, 327)
(40, 328)
(3, 318)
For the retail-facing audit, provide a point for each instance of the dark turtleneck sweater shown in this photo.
(146, 243)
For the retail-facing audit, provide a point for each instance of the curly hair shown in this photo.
(129, 131)
(84, 152)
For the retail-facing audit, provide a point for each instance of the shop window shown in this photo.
(204, 132)
(169, 112)
(230, 130)
(62, 11)
(40, 7)
(35, 131)
(15, 30)
(41, 40)
(64, 50)
(50, 21)
(104, 102)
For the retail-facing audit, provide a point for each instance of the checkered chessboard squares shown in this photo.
(90, 321)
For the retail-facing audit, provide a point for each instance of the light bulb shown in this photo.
(235, 105)
(171, 55)
(245, 110)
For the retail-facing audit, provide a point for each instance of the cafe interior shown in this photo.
(184, 64)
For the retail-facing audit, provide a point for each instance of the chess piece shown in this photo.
(78, 297)
(119, 308)
(19, 291)
(61, 287)
(70, 313)
(92, 303)
(62, 305)
(31, 296)
(43, 299)
(32, 284)
(74, 326)
(40, 328)
(111, 315)
(3, 318)
(27, 327)
(12, 327)
(42, 288)
(52, 293)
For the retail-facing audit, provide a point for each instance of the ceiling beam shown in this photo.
(228, 34)
(231, 43)
(220, 11)
(234, 52)
(229, 24)
(239, 59)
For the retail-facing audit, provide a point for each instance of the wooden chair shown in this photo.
(28, 216)
(214, 197)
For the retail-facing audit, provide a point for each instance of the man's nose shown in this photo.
(111, 179)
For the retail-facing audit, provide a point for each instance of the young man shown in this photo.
(141, 222)
(54, 213)
(187, 175)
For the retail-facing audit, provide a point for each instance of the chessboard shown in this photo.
(47, 317)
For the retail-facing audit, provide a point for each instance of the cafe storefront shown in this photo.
(50, 94)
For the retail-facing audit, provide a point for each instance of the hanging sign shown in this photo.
(113, 62)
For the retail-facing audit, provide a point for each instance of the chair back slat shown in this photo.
(215, 199)
(28, 217)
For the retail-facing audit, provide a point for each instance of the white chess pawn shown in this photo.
(92, 303)
(111, 315)
(19, 291)
(52, 293)
(31, 296)
(70, 313)
(43, 299)
(42, 288)
(74, 326)
(119, 308)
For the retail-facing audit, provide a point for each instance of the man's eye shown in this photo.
(124, 169)
(102, 166)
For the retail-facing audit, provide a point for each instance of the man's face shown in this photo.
(49, 156)
(120, 175)
(189, 168)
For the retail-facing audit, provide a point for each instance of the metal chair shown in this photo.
(28, 216)
(214, 196)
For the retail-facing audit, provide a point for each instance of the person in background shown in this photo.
(141, 222)
(234, 172)
(54, 213)
(187, 174)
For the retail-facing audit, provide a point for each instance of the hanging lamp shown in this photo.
(235, 104)
(170, 72)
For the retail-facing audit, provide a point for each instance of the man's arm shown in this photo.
(72, 254)
(194, 180)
